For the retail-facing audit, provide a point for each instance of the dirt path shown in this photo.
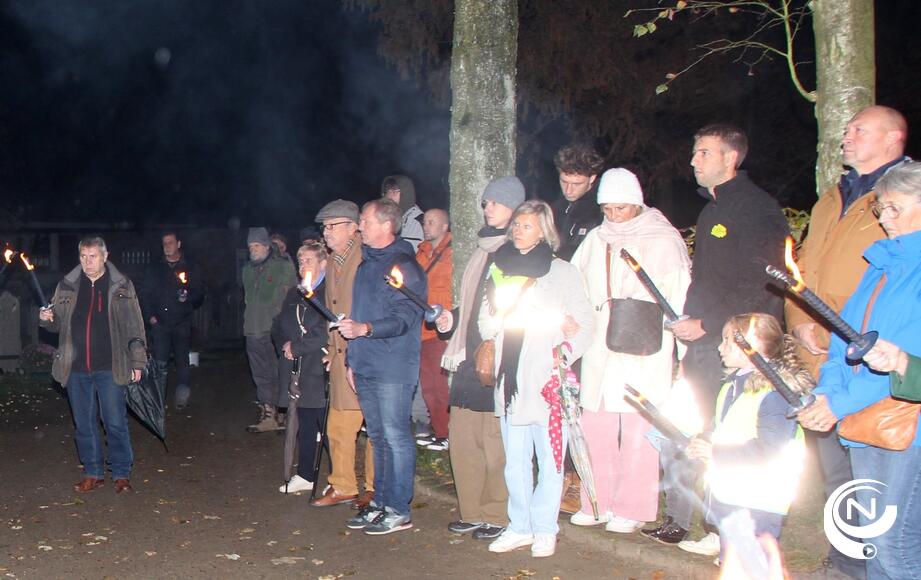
(210, 508)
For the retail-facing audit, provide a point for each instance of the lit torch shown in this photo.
(667, 309)
(796, 402)
(306, 288)
(183, 279)
(859, 344)
(7, 259)
(183, 292)
(38, 288)
(429, 311)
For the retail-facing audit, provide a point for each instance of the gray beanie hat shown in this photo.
(339, 208)
(508, 191)
(258, 236)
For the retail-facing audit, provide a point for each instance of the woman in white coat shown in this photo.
(533, 303)
(624, 464)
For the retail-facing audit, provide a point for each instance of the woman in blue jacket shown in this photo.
(887, 300)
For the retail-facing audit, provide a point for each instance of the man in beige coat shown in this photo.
(340, 231)
(831, 259)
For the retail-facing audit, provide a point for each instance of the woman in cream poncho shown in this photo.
(624, 463)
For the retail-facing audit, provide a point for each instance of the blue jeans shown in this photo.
(897, 549)
(532, 510)
(388, 412)
(93, 395)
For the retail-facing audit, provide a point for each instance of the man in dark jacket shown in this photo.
(95, 310)
(384, 331)
(576, 213)
(739, 231)
(173, 289)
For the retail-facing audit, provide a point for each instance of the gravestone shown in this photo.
(10, 339)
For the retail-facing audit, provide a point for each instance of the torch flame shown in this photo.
(749, 334)
(791, 265)
(307, 284)
(8, 255)
(183, 278)
(25, 261)
(396, 278)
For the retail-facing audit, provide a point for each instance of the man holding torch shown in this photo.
(831, 261)
(172, 290)
(95, 310)
(741, 229)
(384, 330)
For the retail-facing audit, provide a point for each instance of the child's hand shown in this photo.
(700, 448)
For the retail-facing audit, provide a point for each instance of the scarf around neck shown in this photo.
(534, 264)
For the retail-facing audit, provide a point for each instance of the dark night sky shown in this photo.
(198, 111)
(173, 111)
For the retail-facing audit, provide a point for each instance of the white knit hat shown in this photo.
(620, 185)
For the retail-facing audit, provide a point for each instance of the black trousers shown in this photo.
(308, 428)
(175, 338)
(703, 369)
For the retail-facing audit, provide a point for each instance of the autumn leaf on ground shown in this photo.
(287, 560)
(228, 556)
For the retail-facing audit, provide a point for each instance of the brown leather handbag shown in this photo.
(484, 359)
(888, 424)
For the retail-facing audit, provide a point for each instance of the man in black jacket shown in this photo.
(576, 213)
(739, 231)
(173, 288)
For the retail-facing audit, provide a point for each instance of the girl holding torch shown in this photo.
(756, 452)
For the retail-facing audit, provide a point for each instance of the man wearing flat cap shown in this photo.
(339, 221)
(267, 277)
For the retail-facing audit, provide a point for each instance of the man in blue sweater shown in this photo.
(383, 357)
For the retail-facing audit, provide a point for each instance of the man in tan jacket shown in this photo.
(831, 259)
(340, 231)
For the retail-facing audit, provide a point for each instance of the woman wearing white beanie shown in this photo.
(624, 463)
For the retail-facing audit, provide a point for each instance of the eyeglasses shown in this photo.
(327, 227)
(879, 209)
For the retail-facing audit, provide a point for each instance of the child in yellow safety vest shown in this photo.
(756, 453)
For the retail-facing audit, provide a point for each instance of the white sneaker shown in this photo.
(709, 545)
(623, 525)
(509, 540)
(544, 545)
(581, 518)
(296, 484)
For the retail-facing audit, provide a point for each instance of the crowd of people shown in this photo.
(546, 294)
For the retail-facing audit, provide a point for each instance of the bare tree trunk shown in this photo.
(482, 137)
(846, 76)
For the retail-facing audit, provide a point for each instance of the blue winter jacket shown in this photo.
(391, 354)
(896, 315)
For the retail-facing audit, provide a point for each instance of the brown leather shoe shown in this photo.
(332, 497)
(364, 498)
(88, 484)
(123, 486)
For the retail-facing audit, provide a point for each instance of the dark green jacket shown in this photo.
(264, 288)
(908, 388)
(125, 323)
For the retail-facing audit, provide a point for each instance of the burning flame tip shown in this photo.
(790, 262)
(396, 277)
(25, 261)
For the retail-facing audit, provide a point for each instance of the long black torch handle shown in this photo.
(795, 401)
(431, 312)
(38, 288)
(658, 420)
(321, 308)
(817, 304)
(667, 309)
